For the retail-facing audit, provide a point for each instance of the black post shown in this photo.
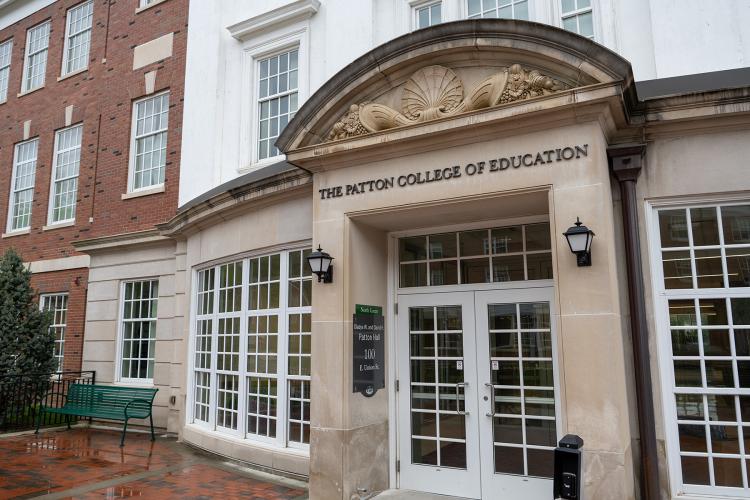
(626, 162)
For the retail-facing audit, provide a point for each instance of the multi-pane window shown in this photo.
(508, 9)
(514, 253)
(145, 3)
(78, 37)
(22, 185)
(705, 257)
(428, 15)
(253, 317)
(65, 168)
(35, 66)
(277, 99)
(578, 17)
(57, 306)
(138, 326)
(149, 145)
(6, 49)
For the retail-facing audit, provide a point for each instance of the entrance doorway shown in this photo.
(477, 405)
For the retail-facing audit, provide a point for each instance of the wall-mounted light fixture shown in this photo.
(320, 265)
(579, 239)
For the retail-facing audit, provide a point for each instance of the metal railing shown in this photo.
(21, 396)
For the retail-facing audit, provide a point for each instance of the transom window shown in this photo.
(149, 146)
(253, 319)
(514, 253)
(6, 49)
(22, 185)
(705, 254)
(138, 324)
(78, 37)
(578, 17)
(65, 167)
(508, 9)
(35, 66)
(428, 15)
(278, 92)
(57, 306)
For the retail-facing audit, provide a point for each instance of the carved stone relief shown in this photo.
(436, 91)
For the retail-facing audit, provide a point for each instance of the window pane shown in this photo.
(705, 226)
(673, 228)
(736, 224)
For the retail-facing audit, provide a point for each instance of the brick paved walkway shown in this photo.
(89, 463)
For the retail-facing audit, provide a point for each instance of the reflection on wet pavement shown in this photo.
(89, 463)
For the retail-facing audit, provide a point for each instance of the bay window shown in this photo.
(251, 349)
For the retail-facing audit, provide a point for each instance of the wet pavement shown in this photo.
(89, 463)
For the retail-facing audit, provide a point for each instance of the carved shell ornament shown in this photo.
(435, 92)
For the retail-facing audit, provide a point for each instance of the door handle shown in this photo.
(458, 400)
(492, 398)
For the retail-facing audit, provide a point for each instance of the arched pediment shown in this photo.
(448, 70)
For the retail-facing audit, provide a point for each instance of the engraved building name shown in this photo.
(450, 173)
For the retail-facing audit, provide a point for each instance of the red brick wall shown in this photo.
(103, 96)
(74, 283)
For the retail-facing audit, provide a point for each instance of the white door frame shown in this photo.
(440, 480)
(392, 306)
(507, 485)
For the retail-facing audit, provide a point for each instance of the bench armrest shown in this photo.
(144, 402)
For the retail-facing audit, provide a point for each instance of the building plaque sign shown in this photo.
(368, 349)
(447, 174)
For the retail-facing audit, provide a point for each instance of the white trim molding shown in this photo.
(299, 10)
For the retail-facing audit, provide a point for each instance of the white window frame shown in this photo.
(147, 382)
(255, 50)
(531, 4)
(13, 191)
(271, 97)
(54, 181)
(5, 69)
(65, 297)
(416, 7)
(281, 441)
(664, 343)
(68, 36)
(134, 138)
(575, 13)
(28, 55)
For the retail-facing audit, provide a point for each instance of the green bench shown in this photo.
(104, 401)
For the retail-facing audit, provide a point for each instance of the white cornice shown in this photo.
(295, 11)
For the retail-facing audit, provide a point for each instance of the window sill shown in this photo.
(27, 92)
(74, 73)
(59, 225)
(249, 442)
(265, 162)
(19, 232)
(146, 7)
(143, 192)
(145, 384)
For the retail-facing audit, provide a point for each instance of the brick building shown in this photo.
(91, 96)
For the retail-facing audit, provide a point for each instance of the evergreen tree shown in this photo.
(26, 343)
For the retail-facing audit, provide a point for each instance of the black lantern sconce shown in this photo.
(579, 239)
(320, 265)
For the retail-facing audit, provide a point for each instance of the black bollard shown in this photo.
(568, 457)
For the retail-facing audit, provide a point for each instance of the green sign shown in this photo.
(363, 309)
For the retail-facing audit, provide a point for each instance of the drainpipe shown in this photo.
(626, 162)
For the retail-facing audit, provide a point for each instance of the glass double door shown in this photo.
(477, 399)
